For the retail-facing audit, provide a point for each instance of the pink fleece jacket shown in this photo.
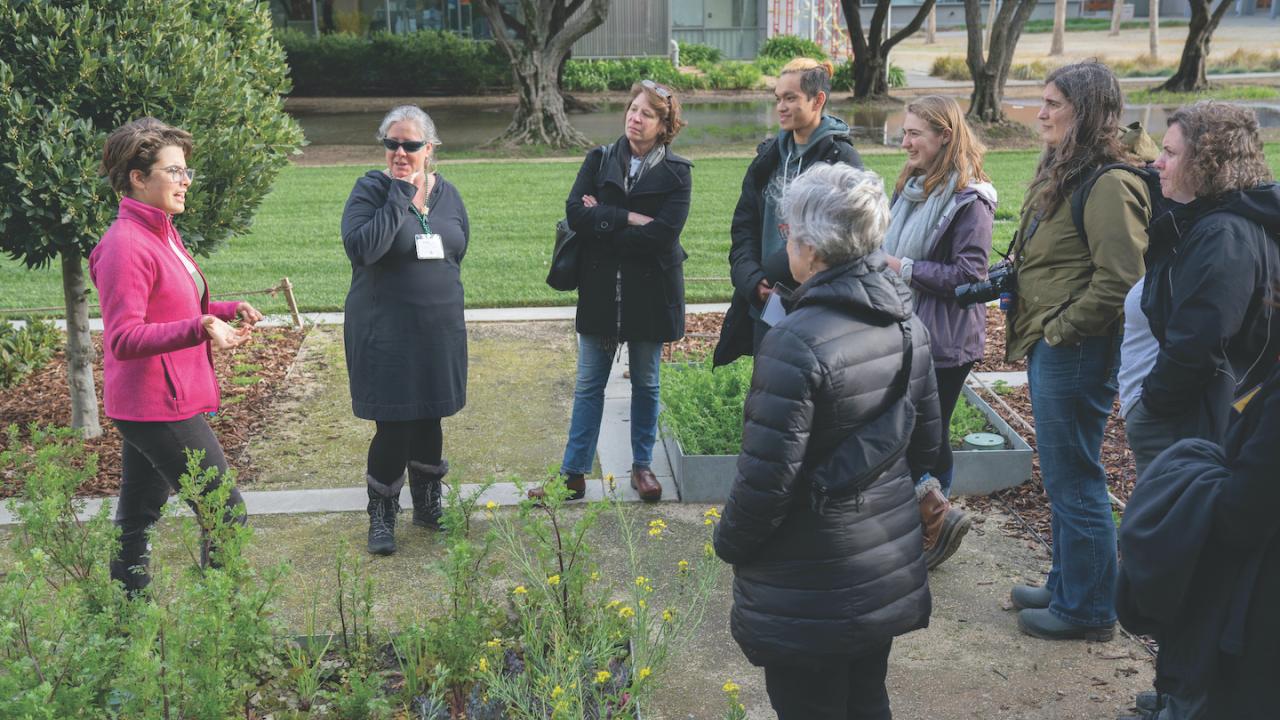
(157, 364)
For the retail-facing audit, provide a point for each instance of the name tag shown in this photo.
(430, 247)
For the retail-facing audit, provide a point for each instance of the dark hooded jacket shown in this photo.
(1212, 268)
(809, 584)
(747, 265)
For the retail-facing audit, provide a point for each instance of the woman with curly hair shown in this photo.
(1066, 320)
(1212, 262)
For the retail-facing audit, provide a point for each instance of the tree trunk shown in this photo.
(1191, 75)
(540, 116)
(931, 28)
(1117, 15)
(870, 78)
(871, 53)
(80, 353)
(991, 25)
(990, 69)
(985, 102)
(1153, 26)
(1059, 27)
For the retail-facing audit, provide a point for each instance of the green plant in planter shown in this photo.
(26, 350)
(702, 405)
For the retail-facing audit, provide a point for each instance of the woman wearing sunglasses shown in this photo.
(159, 331)
(629, 204)
(405, 231)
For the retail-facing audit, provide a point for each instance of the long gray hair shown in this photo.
(1093, 139)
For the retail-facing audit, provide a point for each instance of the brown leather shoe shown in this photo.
(943, 527)
(576, 482)
(644, 482)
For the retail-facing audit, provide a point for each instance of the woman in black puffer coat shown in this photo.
(821, 588)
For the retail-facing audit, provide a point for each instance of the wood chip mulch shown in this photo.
(247, 393)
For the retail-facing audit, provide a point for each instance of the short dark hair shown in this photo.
(134, 146)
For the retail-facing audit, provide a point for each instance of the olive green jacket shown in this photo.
(1068, 290)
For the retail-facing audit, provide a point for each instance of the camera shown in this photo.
(1001, 279)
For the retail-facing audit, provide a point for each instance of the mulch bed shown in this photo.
(247, 393)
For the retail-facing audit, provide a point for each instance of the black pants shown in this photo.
(950, 383)
(154, 459)
(849, 689)
(396, 443)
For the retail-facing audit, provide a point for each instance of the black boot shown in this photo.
(384, 503)
(129, 568)
(426, 488)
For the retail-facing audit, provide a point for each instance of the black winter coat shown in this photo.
(649, 256)
(405, 337)
(746, 266)
(1211, 268)
(812, 585)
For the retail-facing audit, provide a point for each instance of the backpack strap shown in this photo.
(1080, 195)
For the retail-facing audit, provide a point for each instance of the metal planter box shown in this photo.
(703, 479)
(981, 472)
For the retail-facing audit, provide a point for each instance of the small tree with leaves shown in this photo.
(71, 71)
(871, 51)
(538, 36)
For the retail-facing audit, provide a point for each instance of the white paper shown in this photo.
(773, 310)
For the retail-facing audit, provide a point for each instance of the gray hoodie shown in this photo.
(792, 164)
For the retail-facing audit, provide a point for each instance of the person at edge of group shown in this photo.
(822, 584)
(939, 238)
(629, 202)
(159, 332)
(1214, 262)
(758, 256)
(1066, 320)
(405, 231)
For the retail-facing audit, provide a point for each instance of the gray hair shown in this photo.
(839, 211)
(413, 114)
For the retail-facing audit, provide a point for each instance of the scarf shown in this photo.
(914, 216)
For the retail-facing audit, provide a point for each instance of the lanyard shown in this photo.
(422, 216)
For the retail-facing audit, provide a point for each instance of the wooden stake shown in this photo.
(293, 303)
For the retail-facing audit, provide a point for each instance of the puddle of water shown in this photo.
(710, 124)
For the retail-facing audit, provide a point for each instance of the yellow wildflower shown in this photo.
(603, 677)
(643, 673)
(668, 615)
(520, 590)
(731, 687)
(553, 580)
(556, 692)
(654, 532)
(595, 577)
(483, 665)
(643, 604)
(491, 505)
(712, 513)
(682, 567)
(609, 479)
(612, 604)
(657, 525)
(641, 581)
(708, 550)
(626, 612)
(494, 644)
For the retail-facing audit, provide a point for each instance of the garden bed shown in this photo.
(249, 377)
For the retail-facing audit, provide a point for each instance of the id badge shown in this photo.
(429, 247)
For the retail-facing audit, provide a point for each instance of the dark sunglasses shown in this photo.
(410, 146)
(663, 93)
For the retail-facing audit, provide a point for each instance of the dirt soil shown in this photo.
(249, 378)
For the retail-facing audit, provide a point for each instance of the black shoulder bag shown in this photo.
(563, 274)
(870, 449)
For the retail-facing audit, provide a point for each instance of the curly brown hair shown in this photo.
(1224, 150)
(664, 102)
(134, 146)
(1092, 141)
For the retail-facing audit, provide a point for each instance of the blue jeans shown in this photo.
(594, 363)
(1072, 390)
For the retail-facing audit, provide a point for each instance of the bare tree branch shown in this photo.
(912, 26)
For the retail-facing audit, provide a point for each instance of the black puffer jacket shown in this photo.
(811, 585)
(1211, 269)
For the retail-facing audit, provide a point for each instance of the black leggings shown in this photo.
(950, 383)
(397, 442)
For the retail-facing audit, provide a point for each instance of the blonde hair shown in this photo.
(963, 155)
(815, 75)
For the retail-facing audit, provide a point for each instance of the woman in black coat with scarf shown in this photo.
(629, 204)
(405, 231)
(822, 585)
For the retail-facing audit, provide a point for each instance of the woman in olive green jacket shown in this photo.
(1067, 319)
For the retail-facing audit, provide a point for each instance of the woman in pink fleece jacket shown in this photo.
(159, 333)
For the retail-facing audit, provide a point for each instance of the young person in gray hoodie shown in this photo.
(758, 257)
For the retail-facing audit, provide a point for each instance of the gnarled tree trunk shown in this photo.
(990, 70)
(871, 53)
(1191, 75)
(80, 353)
(544, 32)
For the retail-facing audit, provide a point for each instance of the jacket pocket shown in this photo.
(170, 377)
(671, 267)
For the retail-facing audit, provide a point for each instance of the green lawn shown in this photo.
(513, 207)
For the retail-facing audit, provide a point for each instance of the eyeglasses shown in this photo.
(176, 173)
(663, 93)
(410, 146)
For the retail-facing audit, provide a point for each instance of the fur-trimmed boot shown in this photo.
(384, 504)
(427, 490)
(943, 526)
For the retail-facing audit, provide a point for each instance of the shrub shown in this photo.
(950, 67)
(25, 350)
(733, 75)
(621, 74)
(699, 54)
(785, 47)
(702, 405)
(771, 66)
(897, 77)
